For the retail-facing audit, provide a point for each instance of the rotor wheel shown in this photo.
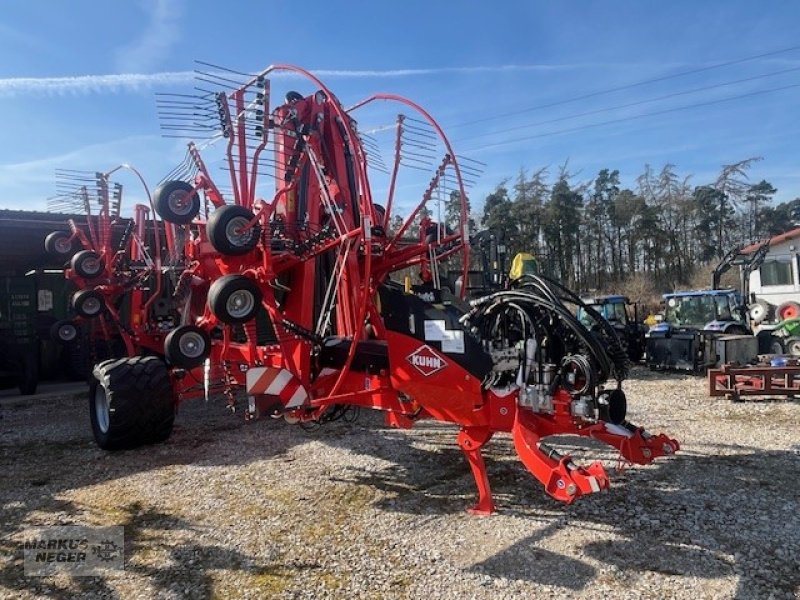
(176, 202)
(88, 303)
(229, 232)
(63, 332)
(59, 244)
(234, 299)
(187, 346)
(131, 402)
(87, 264)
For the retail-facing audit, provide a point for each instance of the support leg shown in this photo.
(471, 441)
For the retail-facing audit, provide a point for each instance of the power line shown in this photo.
(625, 87)
(628, 105)
(624, 119)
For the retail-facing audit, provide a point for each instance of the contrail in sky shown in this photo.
(100, 84)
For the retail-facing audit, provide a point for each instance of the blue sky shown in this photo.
(77, 80)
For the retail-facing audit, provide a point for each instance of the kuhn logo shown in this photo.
(426, 361)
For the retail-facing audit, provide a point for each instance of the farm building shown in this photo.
(33, 296)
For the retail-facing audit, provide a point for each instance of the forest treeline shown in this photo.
(597, 235)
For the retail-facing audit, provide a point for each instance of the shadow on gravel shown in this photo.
(695, 515)
(699, 515)
(46, 451)
(692, 514)
(525, 560)
(185, 569)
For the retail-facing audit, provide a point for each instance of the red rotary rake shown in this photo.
(290, 296)
(123, 298)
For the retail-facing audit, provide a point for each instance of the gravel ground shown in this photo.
(230, 509)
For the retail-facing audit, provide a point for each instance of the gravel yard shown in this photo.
(230, 509)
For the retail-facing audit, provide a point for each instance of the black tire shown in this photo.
(131, 402)
(792, 346)
(59, 245)
(174, 204)
(234, 299)
(292, 97)
(88, 303)
(614, 407)
(29, 377)
(63, 332)
(222, 228)
(187, 346)
(87, 264)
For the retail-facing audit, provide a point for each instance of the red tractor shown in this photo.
(294, 299)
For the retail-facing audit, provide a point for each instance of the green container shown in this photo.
(19, 340)
(792, 327)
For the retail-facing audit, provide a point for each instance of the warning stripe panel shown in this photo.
(297, 398)
(275, 387)
(271, 381)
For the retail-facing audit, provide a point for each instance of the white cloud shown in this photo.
(442, 70)
(128, 82)
(160, 34)
(89, 84)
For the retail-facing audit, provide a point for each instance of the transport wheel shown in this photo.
(63, 332)
(234, 299)
(776, 346)
(613, 406)
(176, 202)
(788, 310)
(88, 303)
(759, 311)
(131, 402)
(226, 230)
(292, 97)
(792, 346)
(87, 264)
(187, 346)
(59, 244)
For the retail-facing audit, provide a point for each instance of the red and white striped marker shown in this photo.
(271, 381)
